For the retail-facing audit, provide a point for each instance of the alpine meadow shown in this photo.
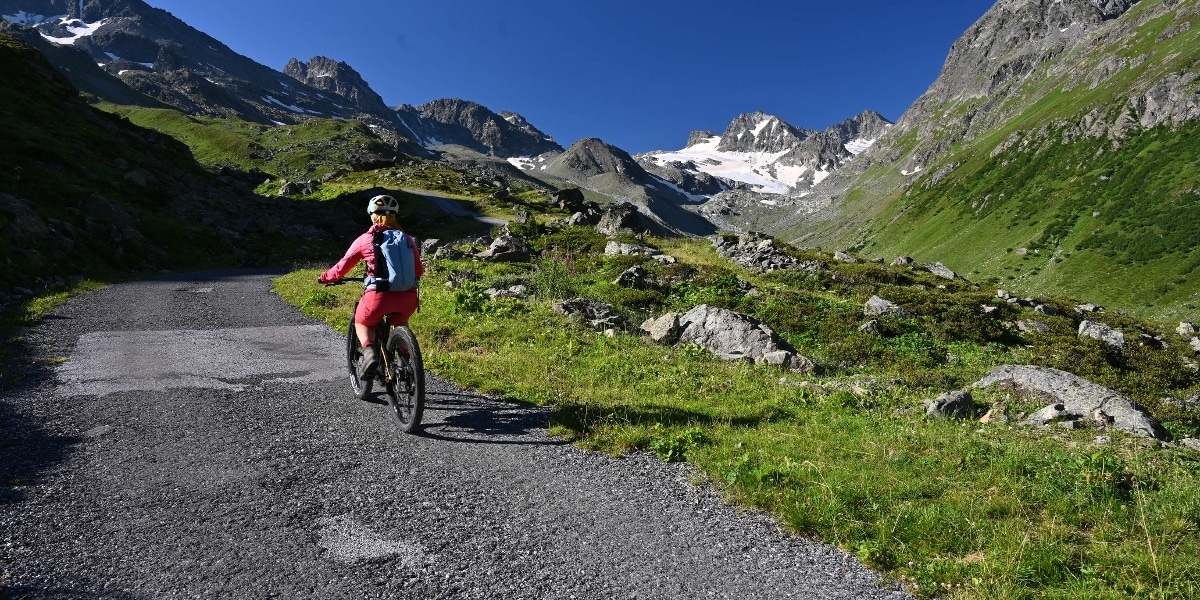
(961, 347)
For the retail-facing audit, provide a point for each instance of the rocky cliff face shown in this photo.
(469, 124)
(338, 78)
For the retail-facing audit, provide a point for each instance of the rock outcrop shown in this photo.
(1074, 400)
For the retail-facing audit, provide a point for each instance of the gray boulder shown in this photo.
(957, 405)
(876, 306)
(506, 248)
(664, 329)
(1099, 331)
(620, 218)
(941, 270)
(735, 336)
(1075, 400)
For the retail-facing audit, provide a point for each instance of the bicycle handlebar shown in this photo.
(344, 280)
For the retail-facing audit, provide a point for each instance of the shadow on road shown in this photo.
(465, 417)
(27, 448)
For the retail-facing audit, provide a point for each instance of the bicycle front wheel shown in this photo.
(360, 386)
(405, 379)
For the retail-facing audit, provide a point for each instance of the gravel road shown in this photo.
(200, 441)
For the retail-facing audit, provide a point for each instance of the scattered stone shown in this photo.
(1088, 308)
(1191, 443)
(593, 313)
(516, 292)
(506, 248)
(615, 248)
(1046, 309)
(876, 306)
(955, 405)
(1033, 326)
(871, 327)
(633, 277)
(941, 270)
(758, 252)
(1099, 331)
(844, 257)
(902, 261)
(1186, 329)
(1152, 341)
(989, 310)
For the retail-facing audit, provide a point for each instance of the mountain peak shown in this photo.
(339, 78)
(760, 132)
(473, 125)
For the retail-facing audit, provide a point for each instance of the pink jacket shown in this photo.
(362, 249)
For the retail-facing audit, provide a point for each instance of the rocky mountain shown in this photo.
(603, 168)
(340, 79)
(450, 121)
(1057, 143)
(160, 56)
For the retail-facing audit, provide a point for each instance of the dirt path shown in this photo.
(200, 441)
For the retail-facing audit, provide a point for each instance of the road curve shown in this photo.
(200, 441)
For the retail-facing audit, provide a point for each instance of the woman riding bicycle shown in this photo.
(399, 306)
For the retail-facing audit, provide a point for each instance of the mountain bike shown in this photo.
(399, 368)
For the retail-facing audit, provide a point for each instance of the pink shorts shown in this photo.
(374, 305)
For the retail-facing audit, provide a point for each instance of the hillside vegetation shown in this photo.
(1048, 183)
(949, 508)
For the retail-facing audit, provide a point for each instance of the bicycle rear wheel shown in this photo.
(405, 379)
(361, 387)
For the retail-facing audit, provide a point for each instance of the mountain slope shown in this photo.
(1054, 153)
(86, 192)
(592, 164)
(164, 58)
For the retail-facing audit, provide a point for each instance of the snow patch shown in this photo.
(77, 28)
(291, 107)
(858, 145)
(756, 169)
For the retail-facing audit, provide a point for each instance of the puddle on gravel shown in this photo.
(224, 359)
(349, 541)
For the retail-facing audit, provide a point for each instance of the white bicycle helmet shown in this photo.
(382, 204)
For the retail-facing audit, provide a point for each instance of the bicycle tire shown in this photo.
(405, 379)
(361, 387)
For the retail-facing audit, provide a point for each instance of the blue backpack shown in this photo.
(395, 262)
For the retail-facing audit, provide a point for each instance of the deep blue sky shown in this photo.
(640, 74)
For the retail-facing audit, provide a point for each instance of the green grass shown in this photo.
(313, 149)
(952, 509)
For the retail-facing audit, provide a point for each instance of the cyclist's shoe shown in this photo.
(369, 361)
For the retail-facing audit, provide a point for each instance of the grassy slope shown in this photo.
(1137, 254)
(308, 150)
